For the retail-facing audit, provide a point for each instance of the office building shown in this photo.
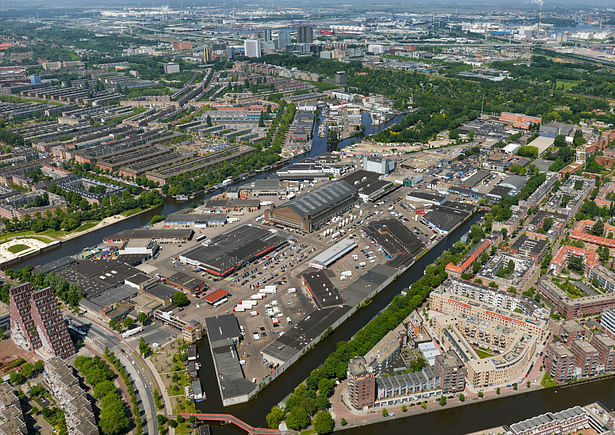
(36, 321)
(171, 68)
(305, 35)
(252, 48)
(283, 40)
(208, 54)
(340, 80)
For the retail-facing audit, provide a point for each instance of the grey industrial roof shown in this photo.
(161, 291)
(513, 181)
(321, 198)
(222, 329)
(323, 291)
(233, 249)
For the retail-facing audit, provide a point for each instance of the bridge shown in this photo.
(228, 418)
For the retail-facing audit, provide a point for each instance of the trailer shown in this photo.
(257, 297)
(131, 332)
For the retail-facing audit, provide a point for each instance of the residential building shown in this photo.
(605, 346)
(559, 362)
(12, 421)
(585, 358)
(361, 384)
(452, 372)
(65, 387)
(36, 321)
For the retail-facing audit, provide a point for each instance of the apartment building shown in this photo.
(585, 358)
(64, 385)
(12, 421)
(559, 362)
(361, 384)
(36, 321)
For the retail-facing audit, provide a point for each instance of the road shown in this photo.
(102, 338)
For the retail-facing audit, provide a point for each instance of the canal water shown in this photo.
(491, 413)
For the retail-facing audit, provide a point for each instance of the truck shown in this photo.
(132, 331)
(253, 313)
(257, 297)
(239, 309)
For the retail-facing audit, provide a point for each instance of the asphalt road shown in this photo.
(136, 370)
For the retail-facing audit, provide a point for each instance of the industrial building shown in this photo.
(222, 255)
(223, 334)
(312, 210)
(369, 185)
(334, 253)
(318, 285)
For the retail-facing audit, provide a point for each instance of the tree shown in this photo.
(480, 394)
(144, 348)
(128, 322)
(16, 378)
(442, 400)
(208, 120)
(142, 318)
(113, 419)
(462, 397)
(385, 412)
(27, 369)
(497, 390)
(298, 418)
(323, 423)
(180, 299)
(343, 422)
(598, 229)
(103, 388)
(275, 416)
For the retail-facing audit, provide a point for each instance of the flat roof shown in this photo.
(333, 253)
(400, 244)
(161, 291)
(221, 330)
(320, 287)
(303, 333)
(152, 234)
(445, 218)
(223, 254)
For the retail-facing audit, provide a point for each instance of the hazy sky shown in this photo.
(403, 5)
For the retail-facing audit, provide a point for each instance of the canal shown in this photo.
(491, 413)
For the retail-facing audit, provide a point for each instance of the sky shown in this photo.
(403, 5)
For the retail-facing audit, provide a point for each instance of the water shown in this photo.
(319, 144)
(487, 414)
(255, 411)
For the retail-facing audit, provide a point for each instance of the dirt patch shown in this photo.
(10, 352)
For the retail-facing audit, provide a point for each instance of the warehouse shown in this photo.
(399, 243)
(321, 289)
(160, 236)
(227, 252)
(332, 254)
(314, 209)
(368, 184)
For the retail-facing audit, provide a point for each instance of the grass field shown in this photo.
(547, 381)
(482, 353)
(566, 85)
(17, 248)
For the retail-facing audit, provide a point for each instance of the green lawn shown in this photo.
(17, 248)
(547, 381)
(85, 226)
(132, 211)
(566, 85)
(482, 353)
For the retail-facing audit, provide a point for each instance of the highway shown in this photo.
(102, 338)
